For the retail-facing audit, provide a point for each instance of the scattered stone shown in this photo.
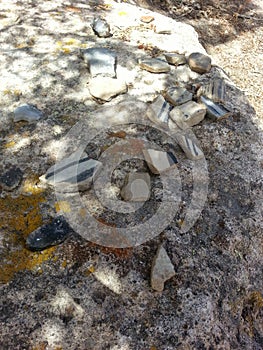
(154, 65)
(175, 58)
(105, 88)
(192, 113)
(215, 111)
(159, 161)
(27, 113)
(101, 28)
(11, 179)
(214, 90)
(159, 111)
(187, 141)
(178, 118)
(137, 187)
(162, 270)
(163, 28)
(147, 19)
(73, 173)
(100, 61)
(177, 95)
(199, 62)
(49, 235)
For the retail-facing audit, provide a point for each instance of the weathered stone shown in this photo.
(199, 62)
(147, 19)
(162, 270)
(178, 95)
(73, 173)
(159, 161)
(159, 111)
(215, 111)
(137, 187)
(49, 235)
(187, 141)
(101, 27)
(100, 61)
(27, 113)
(175, 58)
(192, 113)
(105, 88)
(178, 118)
(11, 179)
(154, 65)
(214, 90)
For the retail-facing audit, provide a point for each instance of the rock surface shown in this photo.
(162, 270)
(100, 61)
(11, 178)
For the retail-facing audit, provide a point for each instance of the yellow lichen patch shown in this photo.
(9, 144)
(19, 217)
(122, 13)
(30, 185)
(63, 206)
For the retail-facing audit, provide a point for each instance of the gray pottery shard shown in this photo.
(27, 113)
(159, 161)
(100, 61)
(73, 173)
(49, 235)
(101, 28)
(215, 111)
(137, 187)
(159, 111)
(162, 270)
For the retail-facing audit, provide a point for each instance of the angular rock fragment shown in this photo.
(215, 111)
(175, 58)
(154, 65)
(137, 187)
(162, 270)
(178, 118)
(199, 62)
(192, 113)
(159, 110)
(214, 90)
(100, 61)
(159, 161)
(147, 19)
(101, 27)
(106, 88)
(27, 113)
(73, 173)
(177, 95)
(49, 235)
(187, 141)
(163, 28)
(11, 179)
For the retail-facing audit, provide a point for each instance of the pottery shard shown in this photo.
(199, 62)
(215, 111)
(177, 95)
(187, 141)
(192, 113)
(175, 58)
(49, 235)
(27, 113)
(73, 173)
(159, 161)
(214, 90)
(100, 61)
(101, 27)
(137, 187)
(159, 111)
(154, 65)
(162, 270)
(105, 88)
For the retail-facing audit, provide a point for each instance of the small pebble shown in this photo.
(199, 62)
(101, 27)
(27, 113)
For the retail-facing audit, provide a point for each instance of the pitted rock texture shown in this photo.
(79, 295)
